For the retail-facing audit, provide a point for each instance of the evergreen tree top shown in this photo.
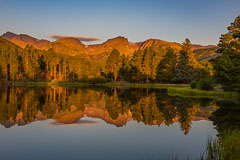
(231, 41)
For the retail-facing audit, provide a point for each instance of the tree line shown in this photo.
(30, 64)
(157, 64)
(154, 64)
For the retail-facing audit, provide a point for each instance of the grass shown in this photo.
(66, 83)
(70, 84)
(226, 147)
(32, 84)
(28, 84)
(141, 85)
(187, 92)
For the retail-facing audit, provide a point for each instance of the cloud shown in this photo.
(85, 39)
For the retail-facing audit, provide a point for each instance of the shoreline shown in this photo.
(66, 84)
(182, 90)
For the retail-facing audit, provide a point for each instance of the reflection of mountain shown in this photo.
(73, 117)
(114, 106)
(20, 121)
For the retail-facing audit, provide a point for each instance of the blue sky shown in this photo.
(203, 21)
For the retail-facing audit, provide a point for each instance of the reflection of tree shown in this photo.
(147, 111)
(113, 105)
(49, 101)
(7, 100)
(157, 108)
(185, 112)
(227, 117)
(166, 105)
(204, 102)
(152, 107)
(227, 122)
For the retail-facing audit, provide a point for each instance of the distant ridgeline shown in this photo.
(114, 106)
(117, 59)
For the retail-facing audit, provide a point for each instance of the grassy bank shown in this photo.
(142, 85)
(195, 93)
(44, 84)
(28, 84)
(182, 90)
(130, 85)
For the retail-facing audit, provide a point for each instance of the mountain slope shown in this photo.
(157, 42)
(8, 35)
(23, 40)
(120, 43)
(73, 46)
(206, 53)
(6, 43)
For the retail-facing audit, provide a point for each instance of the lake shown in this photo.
(106, 123)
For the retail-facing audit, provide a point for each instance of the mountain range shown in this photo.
(73, 46)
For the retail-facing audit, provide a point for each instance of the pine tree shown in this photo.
(125, 68)
(136, 66)
(184, 69)
(166, 67)
(157, 56)
(113, 64)
(147, 63)
(227, 66)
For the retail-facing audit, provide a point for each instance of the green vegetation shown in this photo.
(193, 84)
(13, 83)
(152, 64)
(182, 90)
(65, 83)
(202, 84)
(166, 67)
(141, 85)
(227, 122)
(196, 93)
(54, 82)
(113, 65)
(226, 146)
(205, 84)
(184, 70)
(227, 66)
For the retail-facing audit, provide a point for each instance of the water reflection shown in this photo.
(22, 105)
(227, 117)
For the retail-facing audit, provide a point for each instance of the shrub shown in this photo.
(205, 84)
(97, 80)
(193, 84)
(54, 82)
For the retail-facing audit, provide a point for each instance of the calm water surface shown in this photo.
(103, 123)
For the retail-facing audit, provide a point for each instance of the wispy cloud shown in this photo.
(85, 39)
